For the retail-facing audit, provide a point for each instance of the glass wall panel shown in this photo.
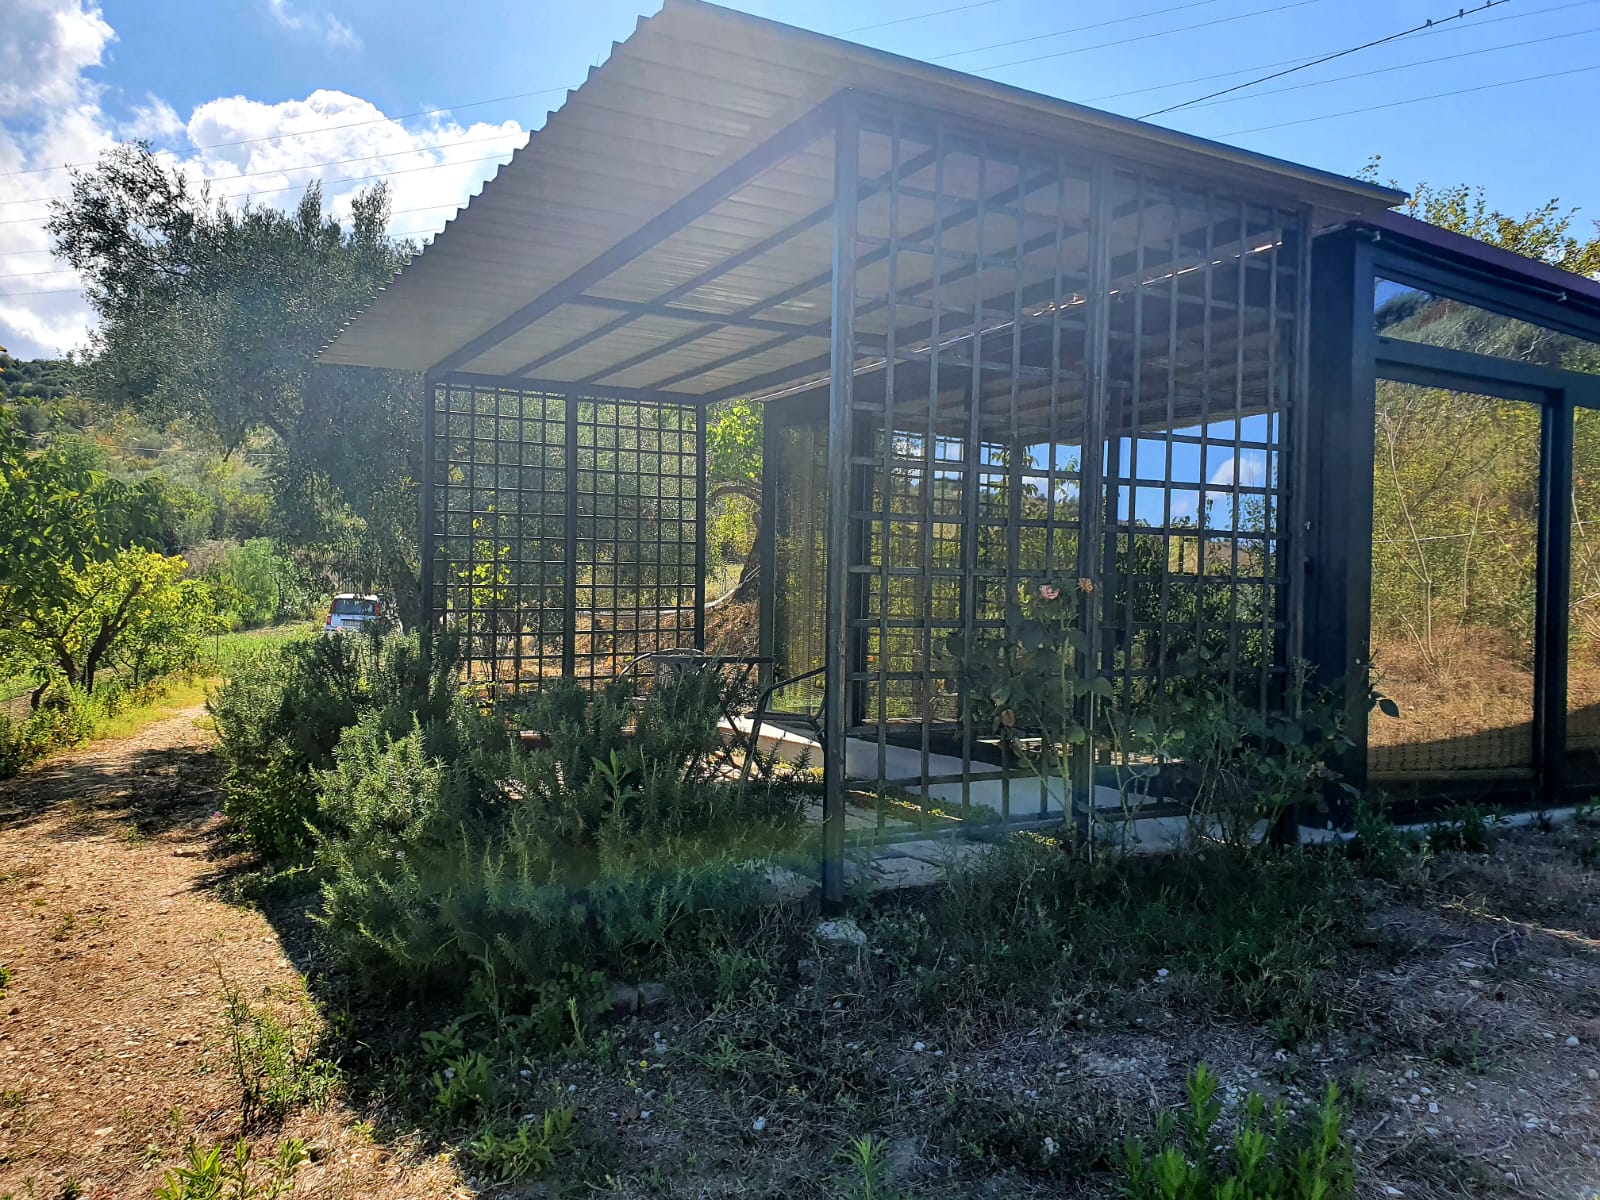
(1583, 606)
(1454, 544)
(1411, 315)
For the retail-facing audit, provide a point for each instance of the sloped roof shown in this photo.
(578, 260)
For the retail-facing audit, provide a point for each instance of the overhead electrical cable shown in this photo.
(1430, 23)
(1349, 112)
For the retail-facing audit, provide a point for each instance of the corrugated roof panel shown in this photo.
(691, 92)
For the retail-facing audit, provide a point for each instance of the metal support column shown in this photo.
(846, 171)
(1092, 493)
(569, 554)
(426, 606)
(700, 528)
(1552, 590)
(1335, 517)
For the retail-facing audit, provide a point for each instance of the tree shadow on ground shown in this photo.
(156, 789)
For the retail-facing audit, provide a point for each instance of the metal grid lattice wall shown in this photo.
(1068, 372)
(564, 531)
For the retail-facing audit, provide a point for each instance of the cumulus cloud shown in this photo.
(323, 26)
(250, 152)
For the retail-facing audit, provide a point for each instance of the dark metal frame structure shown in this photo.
(1043, 367)
(1004, 343)
(1348, 361)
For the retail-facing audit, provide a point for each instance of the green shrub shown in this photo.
(449, 853)
(66, 717)
(282, 711)
(1270, 1156)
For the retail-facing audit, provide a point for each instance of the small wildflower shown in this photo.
(759, 1124)
(1050, 1147)
(1086, 586)
(449, 1072)
(1049, 591)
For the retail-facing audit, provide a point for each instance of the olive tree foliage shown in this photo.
(80, 587)
(215, 313)
(733, 477)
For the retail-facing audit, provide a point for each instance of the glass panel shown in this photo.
(1583, 605)
(1411, 315)
(1455, 512)
(800, 520)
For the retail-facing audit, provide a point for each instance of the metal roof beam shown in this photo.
(962, 216)
(882, 183)
(558, 387)
(677, 312)
(790, 140)
(711, 274)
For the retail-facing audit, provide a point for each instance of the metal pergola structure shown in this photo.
(1003, 341)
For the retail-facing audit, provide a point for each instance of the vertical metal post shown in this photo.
(766, 547)
(426, 608)
(699, 526)
(569, 553)
(1552, 587)
(846, 172)
(1091, 492)
(1334, 479)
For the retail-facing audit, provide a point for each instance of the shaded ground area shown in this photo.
(1465, 1033)
(113, 1046)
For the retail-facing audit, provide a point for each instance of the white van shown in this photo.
(351, 612)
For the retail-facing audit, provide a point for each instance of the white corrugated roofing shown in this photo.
(692, 92)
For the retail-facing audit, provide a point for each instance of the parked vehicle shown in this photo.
(352, 612)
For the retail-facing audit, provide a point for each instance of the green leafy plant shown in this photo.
(274, 1073)
(215, 1173)
(281, 713)
(465, 1085)
(525, 1150)
(1269, 1155)
(867, 1172)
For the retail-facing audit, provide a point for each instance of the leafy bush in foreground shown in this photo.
(449, 853)
(282, 711)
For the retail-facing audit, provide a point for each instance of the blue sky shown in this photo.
(75, 75)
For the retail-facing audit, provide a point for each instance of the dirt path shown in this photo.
(113, 1023)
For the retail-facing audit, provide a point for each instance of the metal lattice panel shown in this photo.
(565, 531)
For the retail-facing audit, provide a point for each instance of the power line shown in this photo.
(1039, 37)
(1421, 62)
(1484, 87)
(1142, 37)
(918, 17)
(1430, 23)
(1289, 62)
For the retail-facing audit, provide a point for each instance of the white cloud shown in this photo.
(45, 46)
(234, 142)
(324, 26)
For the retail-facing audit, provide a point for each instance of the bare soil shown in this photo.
(112, 1026)
(1470, 1061)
